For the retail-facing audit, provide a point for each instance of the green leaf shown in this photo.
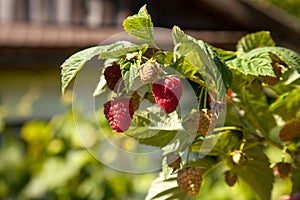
(257, 173)
(258, 62)
(289, 57)
(205, 59)
(154, 127)
(119, 50)
(158, 138)
(287, 105)
(140, 26)
(130, 70)
(225, 55)
(255, 40)
(73, 64)
(223, 145)
(163, 189)
(256, 111)
(295, 179)
(100, 87)
(164, 57)
(184, 67)
(158, 119)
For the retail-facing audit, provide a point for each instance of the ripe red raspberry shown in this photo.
(167, 93)
(190, 180)
(282, 169)
(173, 161)
(149, 72)
(113, 77)
(290, 130)
(230, 178)
(119, 113)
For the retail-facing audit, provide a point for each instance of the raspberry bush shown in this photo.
(247, 105)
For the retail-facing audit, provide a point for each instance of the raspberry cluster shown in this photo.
(166, 93)
(189, 180)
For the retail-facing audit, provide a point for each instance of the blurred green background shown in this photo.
(41, 156)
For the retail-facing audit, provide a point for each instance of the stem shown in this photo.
(283, 151)
(205, 98)
(188, 156)
(212, 168)
(200, 97)
(197, 80)
(226, 128)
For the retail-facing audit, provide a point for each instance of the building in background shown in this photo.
(36, 36)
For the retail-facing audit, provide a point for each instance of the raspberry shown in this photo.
(173, 161)
(290, 130)
(295, 196)
(149, 72)
(205, 122)
(167, 93)
(230, 178)
(135, 100)
(239, 157)
(190, 180)
(202, 121)
(113, 77)
(282, 169)
(119, 113)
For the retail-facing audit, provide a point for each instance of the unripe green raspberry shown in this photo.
(149, 72)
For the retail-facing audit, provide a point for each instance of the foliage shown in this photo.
(256, 110)
(49, 162)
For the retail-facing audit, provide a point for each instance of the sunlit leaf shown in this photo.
(287, 105)
(73, 64)
(140, 26)
(130, 69)
(258, 62)
(205, 59)
(255, 40)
